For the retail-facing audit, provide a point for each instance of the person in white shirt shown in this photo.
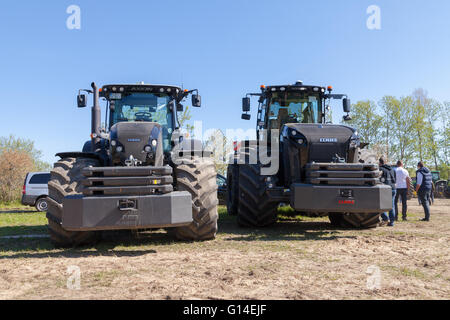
(402, 184)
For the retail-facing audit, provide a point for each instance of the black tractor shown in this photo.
(136, 172)
(302, 160)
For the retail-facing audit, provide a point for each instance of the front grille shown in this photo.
(127, 180)
(325, 152)
(349, 174)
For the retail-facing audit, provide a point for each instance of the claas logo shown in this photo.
(346, 201)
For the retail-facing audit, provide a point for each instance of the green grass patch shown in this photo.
(407, 272)
(15, 205)
(12, 224)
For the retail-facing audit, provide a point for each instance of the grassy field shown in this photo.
(298, 258)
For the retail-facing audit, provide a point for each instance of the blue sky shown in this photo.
(223, 48)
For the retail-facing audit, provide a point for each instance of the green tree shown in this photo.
(444, 136)
(183, 119)
(423, 124)
(217, 143)
(367, 121)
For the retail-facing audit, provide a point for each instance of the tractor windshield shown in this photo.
(293, 107)
(147, 107)
(143, 107)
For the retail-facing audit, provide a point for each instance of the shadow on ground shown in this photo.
(285, 229)
(17, 211)
(294, 229)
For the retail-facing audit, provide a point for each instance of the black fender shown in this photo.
(77, 154)
(193, 147)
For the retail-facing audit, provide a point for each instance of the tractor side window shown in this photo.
(262, 115)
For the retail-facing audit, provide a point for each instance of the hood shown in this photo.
(324, 141)
(133, 137)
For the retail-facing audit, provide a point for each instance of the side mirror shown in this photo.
(346, 105)
(246, 104)
(196, 100)
(81, 100)
(245, 116)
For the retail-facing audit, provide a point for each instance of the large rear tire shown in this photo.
(66, 180)
(198, 176)
(360, 220)
(232, 189)
(255, 209)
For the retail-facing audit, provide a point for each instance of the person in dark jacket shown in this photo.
(388, 177)
(424, 187)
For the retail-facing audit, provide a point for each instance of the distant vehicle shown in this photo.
(222, 189)
(35, 190)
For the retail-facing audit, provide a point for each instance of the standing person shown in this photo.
(424, 187)
(388, 177)
(402, 185)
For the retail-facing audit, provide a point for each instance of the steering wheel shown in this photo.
(143, 116)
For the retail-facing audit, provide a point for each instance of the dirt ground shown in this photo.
(299, 258)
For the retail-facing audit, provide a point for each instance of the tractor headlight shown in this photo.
(113, 143)
(154, 142)
(119, 149)
(297, 136)
(147, 148)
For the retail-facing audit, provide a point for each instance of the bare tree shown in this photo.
(14, 165)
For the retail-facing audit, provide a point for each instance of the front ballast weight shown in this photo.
(126, 198)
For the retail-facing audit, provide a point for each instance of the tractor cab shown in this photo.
(299, 113)
(139, 122)
(297, 103)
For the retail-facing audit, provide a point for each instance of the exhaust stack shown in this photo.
(96, 116)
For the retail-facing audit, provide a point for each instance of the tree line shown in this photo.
(410, 128)
(17, 157)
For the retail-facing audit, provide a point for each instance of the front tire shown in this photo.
(65, 180)
(360, 220)
(255, 209)
(198, 176)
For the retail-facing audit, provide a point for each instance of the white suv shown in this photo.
(35, 190)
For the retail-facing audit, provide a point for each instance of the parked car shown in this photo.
(35, 190)
(222, 189)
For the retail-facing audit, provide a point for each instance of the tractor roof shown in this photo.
(153, 88)
(292, 87)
